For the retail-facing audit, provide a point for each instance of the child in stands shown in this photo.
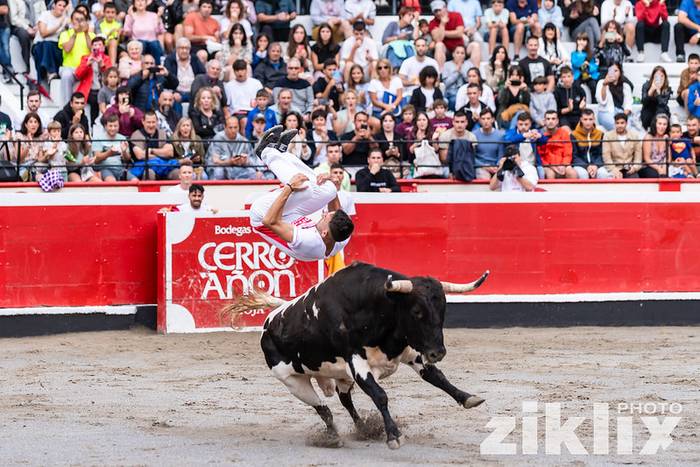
(680, 155)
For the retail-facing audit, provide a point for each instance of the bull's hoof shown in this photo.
(472, 401)
(395, 443)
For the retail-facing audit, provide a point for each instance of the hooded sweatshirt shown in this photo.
(588, 146)
(541, 103)
(65, 118)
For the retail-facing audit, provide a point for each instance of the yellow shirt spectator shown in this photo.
(80, 47)
(110, 29)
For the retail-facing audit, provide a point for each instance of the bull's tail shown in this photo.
(254, 300)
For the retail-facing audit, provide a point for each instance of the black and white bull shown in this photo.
(357, 327)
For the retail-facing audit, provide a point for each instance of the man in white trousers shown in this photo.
(282, 217)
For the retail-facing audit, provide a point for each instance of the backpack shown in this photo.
(460, 158)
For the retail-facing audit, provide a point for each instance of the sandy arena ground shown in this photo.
(137, 398)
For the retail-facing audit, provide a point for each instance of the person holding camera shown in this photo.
(357, 144)
(514, 173)
(130, 117)
(147, 85)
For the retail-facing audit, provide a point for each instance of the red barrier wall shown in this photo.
(543, 248)
(92, 254)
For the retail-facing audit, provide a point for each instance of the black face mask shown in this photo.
(515, 82)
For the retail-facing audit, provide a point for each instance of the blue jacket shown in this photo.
(270, 120)
(693, 93)
(513, 137)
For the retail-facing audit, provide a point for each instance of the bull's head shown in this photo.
(425, 299)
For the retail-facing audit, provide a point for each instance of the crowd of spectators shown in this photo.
(150, 86)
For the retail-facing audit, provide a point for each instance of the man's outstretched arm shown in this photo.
(334, 205)
(273, 217)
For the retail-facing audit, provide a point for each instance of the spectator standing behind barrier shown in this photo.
(195, 201)
(555, 149)
(587, 142)
(47, 55)
(230, 156)
(72, 113)
(89, 73)
(622, 150)
(614, 95)
(652, 26)
(513, 173)
(182, 189)
(489, 147)
(655, 148)
(374, 178)
(274, 18)
(571, 99)
(130, 117)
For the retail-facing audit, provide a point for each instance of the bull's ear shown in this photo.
(400, 286)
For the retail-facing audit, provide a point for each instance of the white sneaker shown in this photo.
(640, 57)
(665, 57)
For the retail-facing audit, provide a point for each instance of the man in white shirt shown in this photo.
(358, 49)
(412, 66)
(286, 217)
(514, 173)
(195, 201)
(183, 188)
(241, 91)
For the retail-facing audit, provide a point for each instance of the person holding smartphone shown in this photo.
(75, 42)
(129, 116)
(614, 95)
(329, 87)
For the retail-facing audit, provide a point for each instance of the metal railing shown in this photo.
(404, 166)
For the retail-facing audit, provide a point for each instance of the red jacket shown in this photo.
(652, 15)
(84, 73)
(559, 151)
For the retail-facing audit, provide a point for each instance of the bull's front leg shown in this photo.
(434, 376)
(365, 380)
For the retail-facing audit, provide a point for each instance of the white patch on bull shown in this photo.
(336, 370)
(282, 371)
(409, 356)
(361, 367)
(299, 385)
(315, 310)
(380, 365)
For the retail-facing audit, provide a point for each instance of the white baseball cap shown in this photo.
(437, 5)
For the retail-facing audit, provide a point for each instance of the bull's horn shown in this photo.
(401, 286)
(450, 287)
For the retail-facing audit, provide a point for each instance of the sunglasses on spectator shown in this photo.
(382, 67)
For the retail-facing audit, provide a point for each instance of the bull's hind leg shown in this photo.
(365, 380)
(434, 376)
(343, 389)
(300, 386)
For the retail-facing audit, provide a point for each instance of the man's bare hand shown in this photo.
(297, 182)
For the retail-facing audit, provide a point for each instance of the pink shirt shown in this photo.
(144, 27)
